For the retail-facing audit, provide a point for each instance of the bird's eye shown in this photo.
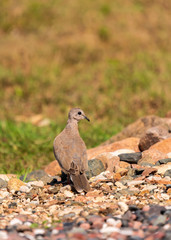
(79, 113)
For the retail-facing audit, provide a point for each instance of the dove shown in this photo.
(70, 151)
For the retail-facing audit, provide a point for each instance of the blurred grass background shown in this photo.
(111, 58)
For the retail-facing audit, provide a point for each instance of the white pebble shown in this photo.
(108, 230)
(39, 231)
(15, 221)
(35, 183)
(68, 193)
(123, 206)
(3, 235)
(55, 231)
(113, 222)
(3, 193)
(24, 189)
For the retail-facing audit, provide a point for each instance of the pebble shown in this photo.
(35, 183)
(3, 184)
(15, 221)
(3, 235)
(68, 194)
(25, 189)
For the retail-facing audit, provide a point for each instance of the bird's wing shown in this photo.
(71, 154)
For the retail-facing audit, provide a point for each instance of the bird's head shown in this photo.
(77, 114)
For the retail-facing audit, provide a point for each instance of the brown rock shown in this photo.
(121, 171)
(154, 135)
(15, 184)
(108, 160)
(150, 157)
(124, 165)
(129, 143)
(148, 171)
(53, 168)
(168, 114)
(138, 128)
(163, 146)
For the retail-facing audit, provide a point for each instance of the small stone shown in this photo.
(68, 194)
(124, 207)
(3, 193)
(35, 183)
(85, 226)
(15, 221)
(135, 182)
(149, 171)
(168, 173)
(3, 184)
(39, 231)
(108, 230)
(14, 184)
(3, 235)
(24, 189)
(113, 222)
(162, 169)
(95, 167)
(130, 157)
(163, 161)
(4, 177)
(161, 219)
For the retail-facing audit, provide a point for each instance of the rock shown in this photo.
(15, 221)
(3, 235)
(95, 167)
(35, 184)
(138, 128)
(24, 189)
(169, 155)
(36, 176)
(53, 168)
(3, 184)
(68, 194)
(4, 177)
(130, 157)
(168, 173)
(163, 161)
(163, 168)
(108, 160)
(163, 146)
(14, 184)
(148, 171)
(129, 143)
(150, 157)
(154, 135)
(124, 207)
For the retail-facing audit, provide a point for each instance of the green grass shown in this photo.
(111, 58)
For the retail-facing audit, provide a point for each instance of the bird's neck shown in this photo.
(72, 126)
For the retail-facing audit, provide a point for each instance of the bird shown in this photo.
(71, 153)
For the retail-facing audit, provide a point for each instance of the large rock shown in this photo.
(95, 167)
(150, 157)
(53, 168)
(154, 135)
(139, 127)
(14, 184)
(129, 143)
(163, 146)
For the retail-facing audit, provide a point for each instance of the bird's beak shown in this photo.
(87, 118)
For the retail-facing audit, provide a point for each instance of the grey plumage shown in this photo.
(70, 151)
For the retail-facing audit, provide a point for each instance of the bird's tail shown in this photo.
(80, 182)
